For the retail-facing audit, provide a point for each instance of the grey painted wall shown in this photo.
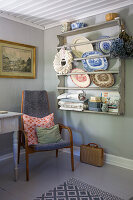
(113, 133)
(10, 88)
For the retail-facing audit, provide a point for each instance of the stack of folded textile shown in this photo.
(113, 108)
(72, 101)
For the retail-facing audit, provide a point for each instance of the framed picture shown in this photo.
(17, 60)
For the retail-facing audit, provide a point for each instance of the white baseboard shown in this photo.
(119, 161)
(9, 155)
(109, 159)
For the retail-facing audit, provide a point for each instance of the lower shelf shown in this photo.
(89, 111)
(107, 113)
(88, 88)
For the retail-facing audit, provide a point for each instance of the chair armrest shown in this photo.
(25, 136)
(61, 126)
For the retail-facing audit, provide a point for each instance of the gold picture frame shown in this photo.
(17, 60)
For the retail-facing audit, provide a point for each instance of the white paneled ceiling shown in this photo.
(48, 13)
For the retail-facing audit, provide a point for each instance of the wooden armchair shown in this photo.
(35, 104)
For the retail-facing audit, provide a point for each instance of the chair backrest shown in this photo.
(35, 103)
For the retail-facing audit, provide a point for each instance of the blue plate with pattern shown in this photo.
(104, 46)
(93, 64)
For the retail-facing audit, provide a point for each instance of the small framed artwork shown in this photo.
(17, 60)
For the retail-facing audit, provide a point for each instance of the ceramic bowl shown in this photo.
(77, 25)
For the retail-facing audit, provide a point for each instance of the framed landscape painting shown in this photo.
(17, 60)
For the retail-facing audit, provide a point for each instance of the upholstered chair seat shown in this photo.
(48, 147)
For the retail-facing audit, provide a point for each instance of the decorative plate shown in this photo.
(63, 62)
(103, 80)
(104, 46)
(81, 80)
(79, 50)
(93, 64)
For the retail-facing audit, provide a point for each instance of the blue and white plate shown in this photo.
(104, 46)
(93, 64)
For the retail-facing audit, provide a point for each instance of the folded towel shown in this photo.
(76, 109)
(76, 96)
(70, 104)
(80, 96)
(72, 100)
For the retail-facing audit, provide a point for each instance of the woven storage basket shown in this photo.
(92, 154)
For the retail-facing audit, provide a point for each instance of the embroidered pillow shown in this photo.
(30, 123)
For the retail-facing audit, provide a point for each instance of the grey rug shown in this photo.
(74, 189)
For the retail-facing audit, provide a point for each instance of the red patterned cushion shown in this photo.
(30, 124)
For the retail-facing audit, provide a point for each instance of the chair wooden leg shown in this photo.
(72, 159)
(56, 153)
(27, 165)
(19, 145)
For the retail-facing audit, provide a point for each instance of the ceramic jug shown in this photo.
(105, 107)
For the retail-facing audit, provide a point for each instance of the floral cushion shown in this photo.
(30, 124)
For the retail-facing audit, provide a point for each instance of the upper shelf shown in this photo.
(92, 57)
(114, 88)
(94, 27)
(95, 72)
(88, 42)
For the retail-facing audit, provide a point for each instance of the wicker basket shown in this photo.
(92, 154)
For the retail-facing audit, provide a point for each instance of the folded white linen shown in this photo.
(62, 96)
(76, 109)
(77, 96)
(70, 104)
(72, 100)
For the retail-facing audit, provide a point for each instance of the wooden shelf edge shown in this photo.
(100, 72)
(92, 57)
(108, 113)
(90, 88)
(89, 42)
(94, 27)
(95, 112)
